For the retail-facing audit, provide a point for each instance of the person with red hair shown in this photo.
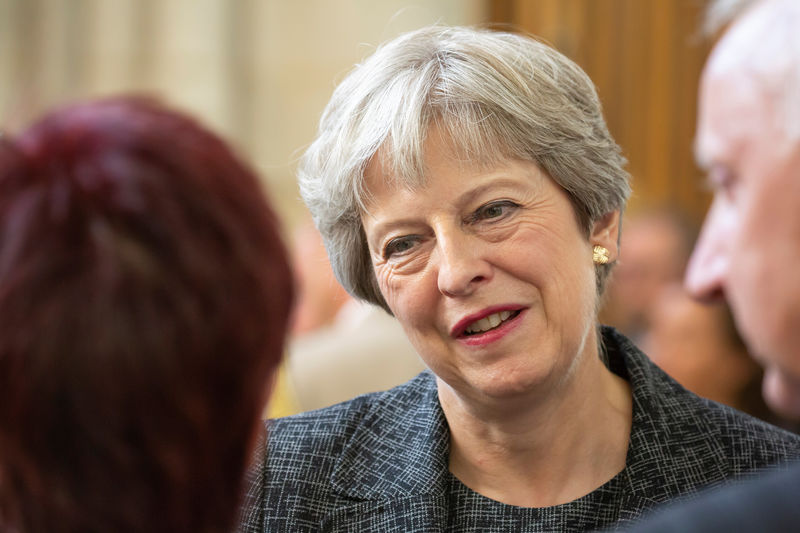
(144, 298)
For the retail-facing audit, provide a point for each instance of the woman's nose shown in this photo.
(462, 265)
(708, 267)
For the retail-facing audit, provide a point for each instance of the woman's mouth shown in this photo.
(489, 322)
(486, 323)
(489, 328)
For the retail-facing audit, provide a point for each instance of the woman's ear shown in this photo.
(605, 232)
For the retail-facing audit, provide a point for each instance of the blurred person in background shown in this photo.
(748, 140)
(318, 299)
(699, 346)
(655, 248)
(144, 298)
(465, 181)
(339, 347)
(319, 295)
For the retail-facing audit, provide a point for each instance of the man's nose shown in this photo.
(708, 266)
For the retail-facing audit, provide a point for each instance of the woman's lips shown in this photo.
(485, 322)
(487, 337)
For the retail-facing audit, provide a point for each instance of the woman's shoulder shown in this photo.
(681, 443)
(322, 460)
(325, 429)
(681, 420)
(718, 439)
(744, 438)
(749, 439)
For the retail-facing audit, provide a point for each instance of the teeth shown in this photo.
(487, 323)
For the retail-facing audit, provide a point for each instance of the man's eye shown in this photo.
(720, 178)
(398, 246)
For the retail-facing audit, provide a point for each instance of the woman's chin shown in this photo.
(500, 384)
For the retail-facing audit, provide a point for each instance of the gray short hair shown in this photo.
(770, 52)
(497, 95)
(720, 13)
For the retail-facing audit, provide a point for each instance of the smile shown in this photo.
(490, 322)
(488, 325)
(481, 331)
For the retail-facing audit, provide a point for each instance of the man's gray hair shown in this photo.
(720, 13)
(767, 36)
(495, 95)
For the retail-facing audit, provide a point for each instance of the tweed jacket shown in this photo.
(768, 503)
(379, 462)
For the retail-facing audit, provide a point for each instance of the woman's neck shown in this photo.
(546, 450)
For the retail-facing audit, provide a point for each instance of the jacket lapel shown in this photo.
(664, 457)
(394, 467)
(424, 513)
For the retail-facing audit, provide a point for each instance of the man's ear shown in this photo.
(605, 232)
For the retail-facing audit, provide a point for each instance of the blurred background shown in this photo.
(257, 71)
(261, 71)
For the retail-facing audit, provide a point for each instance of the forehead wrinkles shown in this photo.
(732, 108)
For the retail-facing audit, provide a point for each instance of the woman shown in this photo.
(465, 181)
(144, 294)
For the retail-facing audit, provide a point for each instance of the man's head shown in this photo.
(748, 139)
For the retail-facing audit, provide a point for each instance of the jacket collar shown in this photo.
(665, 431)
(406, 434)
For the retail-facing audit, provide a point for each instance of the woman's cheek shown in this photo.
(405, 294)
(388, 282)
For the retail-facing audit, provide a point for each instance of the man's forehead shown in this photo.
(732, 109)
(770, 23)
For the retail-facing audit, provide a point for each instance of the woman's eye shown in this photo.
(494, 210)
(398, 245)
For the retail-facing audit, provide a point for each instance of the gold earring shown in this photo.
(599, 255)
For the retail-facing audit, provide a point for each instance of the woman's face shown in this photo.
(487, 271)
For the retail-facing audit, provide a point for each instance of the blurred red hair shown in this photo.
(144, 297)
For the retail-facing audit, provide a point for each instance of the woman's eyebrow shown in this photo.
(382, 227)
(495, 183)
